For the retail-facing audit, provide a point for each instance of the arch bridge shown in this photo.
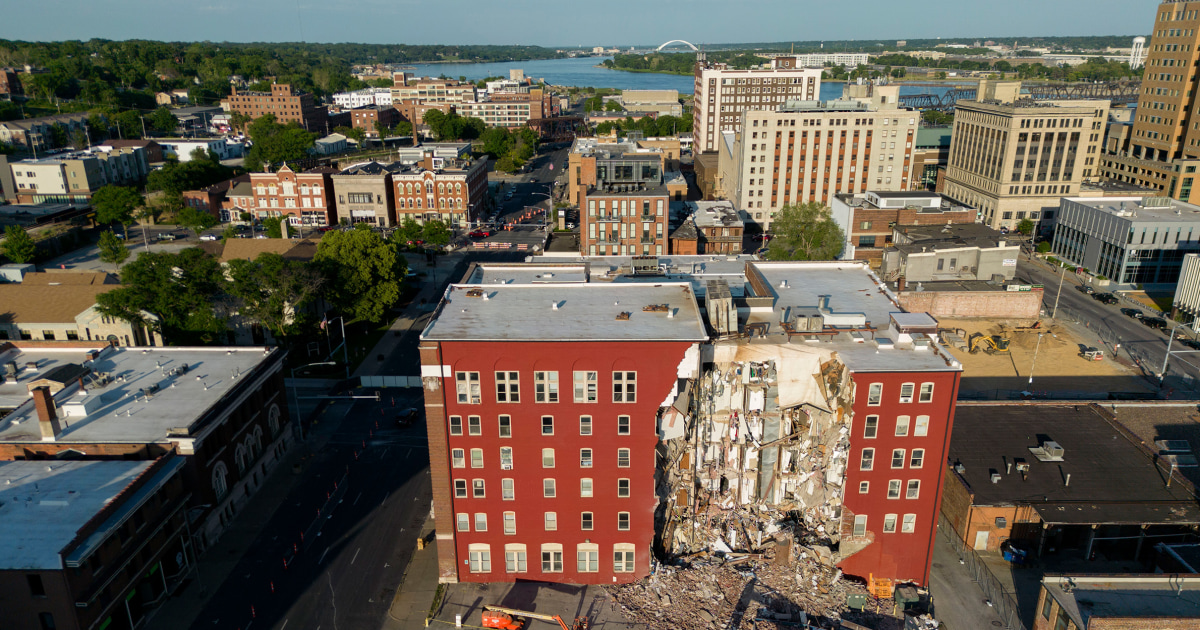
(677, 41)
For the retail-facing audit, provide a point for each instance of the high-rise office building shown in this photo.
(722, 94)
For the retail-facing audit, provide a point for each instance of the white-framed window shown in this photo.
(585, 425)
(902, 426)
(550, 521)
(894, 489)
(508, 387)
(585, 458)
(864, 487)
(474, 425)
(917, 459)
(860, 524)
(585, 487)
(926, 393)
(552, 558)
(909, 524)
(622, 488)
(871, 427)
(622, 425)
(548, 488)
(623, 557)
(623, 521)
(505, 426)
(458, 458)
(545, 387)
(460, 488)
(622, 458)
(921, 429)
(464, 522)
(875, 394)
(510, 523)
(467, 384)
(906, 392)
(585, 386)
(480, 522)
(547, 425)
(898, 458)
(624, 387)
(476, 458)
(220, 482)
(508, 490)
(480, 557)
(587, 557)
(889, 523)
(586, 521)
(477, 489)
(914, 489)
(868, 459)
(547, 458)
(506, 458)
(455, 425)
(514, 558)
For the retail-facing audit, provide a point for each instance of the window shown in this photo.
(455, 425)
(922, 427)
(508, 387)
(547, 458)
(875, 394)
(474, 425)
(894, 489)
(552, 559)
(585, 458)
(585, 425)
(623, 554)
(909, 524)
(458, 458)
(505, 426)
(467, 384)
(507, 489)
(480, 556)
(623, 521)
(1046, 606)
(545, 387)
(506, 458)
(860, 524)
(480, 522)
(926, 393)
(547, 425)
(889, 523)
(585, 387)
(588, 556)
(551, 521)
(514, 558)
(898, 458)
(871, 429)
(906, 392)
(464, 522)
(864, 487)
(476, 458)
(624, 387)
(918, 458)
(622, 488)
(477, 488)
(36, 588)
(622, 425)
(868, 459)
(460, 488)
(914, 489)
(585, 488)
(510, 523)
(548, 488)
(585, 521)
(622, 458)
(901, 426)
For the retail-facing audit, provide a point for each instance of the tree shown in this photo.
(179, 290)
(129, 124)
(407, 232)
(364, 272)
(1025, 226)
(805, 232)
(271, 290)
(18, 246)
(1044, 247)
(116, 204)
(934, 117)
(506, 165)
(274, 227)
(112, 249)
(275, 143)
(613, 106)
(194, 219)
(436, 232)
(163, 121)
(358, 134)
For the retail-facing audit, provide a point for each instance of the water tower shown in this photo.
(1137, 57)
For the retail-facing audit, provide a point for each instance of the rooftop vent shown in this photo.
(1049, 451)
(624, 315)
(655, 308)
(474, 292)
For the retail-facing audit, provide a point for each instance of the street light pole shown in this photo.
(295, 397)
(1162, 374)
(1062, 273)
(1035, 353)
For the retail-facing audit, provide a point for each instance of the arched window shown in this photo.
(273, 420)
(441, 202)
(458, 187)
(258, 447)
(418, 202)
(441, 189)
(429, 187)
(219, 484)
(242, 458)
(408, 188)
(401, 203)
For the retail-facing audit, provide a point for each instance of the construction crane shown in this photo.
(991, 345)
(510, 619)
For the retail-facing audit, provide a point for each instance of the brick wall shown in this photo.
(956, 501)
(1150, 623)
(1005, 304)
(439, 464)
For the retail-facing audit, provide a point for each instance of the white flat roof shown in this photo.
(44, 504)
(115, 412)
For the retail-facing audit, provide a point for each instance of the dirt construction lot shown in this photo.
(1059, 362)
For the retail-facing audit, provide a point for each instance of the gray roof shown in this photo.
(952, 236)
(1133, 596)
(714, 214)
(1135, 208)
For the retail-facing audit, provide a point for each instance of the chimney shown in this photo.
(43, 401)
(901, 284)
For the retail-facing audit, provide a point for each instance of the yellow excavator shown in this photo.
(995, 344)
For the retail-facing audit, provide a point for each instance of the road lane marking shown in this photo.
(323, 555)
(385, 498)
(408, 453)
(284, 624)
(355, 555)
(356, 501)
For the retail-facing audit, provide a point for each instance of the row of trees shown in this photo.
(650, 127)
(1095, 69)
(681, 63)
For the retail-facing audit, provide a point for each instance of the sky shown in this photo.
(563, 22)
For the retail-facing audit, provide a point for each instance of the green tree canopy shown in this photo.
(18, 246)
(180, 290)
(407, 232)
(117, 204)
(275, 227)
(805, 232)
(163, 121)
(177, 177)
(112, 249)
(436, 232)
(272, 291)
(276, 144)
(364, 272)
(1025, 226)
(194, 219)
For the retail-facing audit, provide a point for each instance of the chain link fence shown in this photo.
(1177, 375)
(999, 597)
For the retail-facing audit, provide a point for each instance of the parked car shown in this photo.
(166, 236)
(120, 235)
(1131, 312)
(1085, 289)
(1155, 322)
(405, 417)
(209, 237)
(480, 234)
(1106, 298)
(1190, 343)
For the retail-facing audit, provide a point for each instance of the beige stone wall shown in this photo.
(1003, 304)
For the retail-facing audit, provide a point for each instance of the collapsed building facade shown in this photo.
(808, 420)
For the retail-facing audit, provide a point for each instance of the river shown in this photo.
(582, 71)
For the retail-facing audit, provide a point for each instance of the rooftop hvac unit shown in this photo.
(10, 369)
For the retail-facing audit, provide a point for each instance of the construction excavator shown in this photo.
(512, 619)
(994, 344)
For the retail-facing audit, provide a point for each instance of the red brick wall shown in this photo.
(1005, 304)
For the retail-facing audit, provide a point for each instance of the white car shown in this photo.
(208, 237)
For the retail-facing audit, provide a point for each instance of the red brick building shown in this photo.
(287, 106)
(213, 198)
(541, 404)
(451, 190)
(10, 83)
(305, 198)
(867, 218)
(366, 118)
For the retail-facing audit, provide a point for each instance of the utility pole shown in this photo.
(1062, 273)
(143, 125)
(1162, 374)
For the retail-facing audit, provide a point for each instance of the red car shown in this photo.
(480, 234)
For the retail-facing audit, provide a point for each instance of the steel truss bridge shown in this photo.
(558, 128)
(1119, 92)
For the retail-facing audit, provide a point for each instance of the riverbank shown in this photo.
(645, 70)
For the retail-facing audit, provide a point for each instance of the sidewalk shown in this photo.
(181, 609)
(415, 593)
